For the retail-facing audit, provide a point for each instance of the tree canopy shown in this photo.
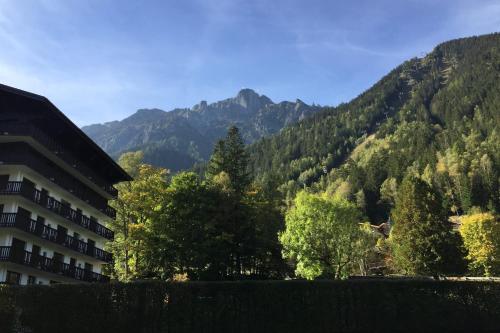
(230, 157)
(436, 115)
(322, 235)
(422, 238)
(481, 235)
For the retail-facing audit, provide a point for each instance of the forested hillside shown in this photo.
(179, 138)
(436, 117)
(421, 146)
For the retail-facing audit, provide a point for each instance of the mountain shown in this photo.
(437, 117)
(179, 138)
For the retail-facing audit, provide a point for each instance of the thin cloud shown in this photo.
(100, 61)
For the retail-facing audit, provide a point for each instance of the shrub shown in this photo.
(375, 305)
(481, 235)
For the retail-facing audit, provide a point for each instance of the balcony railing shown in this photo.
(20, 256)
(56, 148)
(56, 207)
(22, 153)
(15, 220)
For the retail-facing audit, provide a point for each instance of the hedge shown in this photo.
(254, 306)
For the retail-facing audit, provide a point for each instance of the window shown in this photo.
(65, 208)
(31, 279)
(4, 179)
(13, 277)
(58, 257)
(76, 235)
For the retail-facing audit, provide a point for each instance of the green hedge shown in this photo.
(254, 306)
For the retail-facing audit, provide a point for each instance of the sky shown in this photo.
(101, 60)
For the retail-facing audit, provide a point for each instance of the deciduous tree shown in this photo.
(321, 235)
(481, 235)
(137, 202)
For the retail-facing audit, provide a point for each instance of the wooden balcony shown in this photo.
(55, 206)
(24, 223)
(19, 256)
(16, 129)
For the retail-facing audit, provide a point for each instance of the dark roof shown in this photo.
(99, 160)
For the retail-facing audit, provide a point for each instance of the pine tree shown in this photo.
(237, 159)
(229, 156)
(422, 239)
(217, 163)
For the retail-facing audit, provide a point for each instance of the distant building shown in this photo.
(55, 184)
(383, 229)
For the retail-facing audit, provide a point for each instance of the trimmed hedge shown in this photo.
(254, 306)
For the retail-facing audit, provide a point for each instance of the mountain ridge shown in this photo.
(179, 138)
(437, 117)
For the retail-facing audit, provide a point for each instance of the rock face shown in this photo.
(179, 138)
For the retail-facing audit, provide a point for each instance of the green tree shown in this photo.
(321, 235)
(388, 191)
(205, 231)
(481, 235)
(218, 160)
(136, 206)
(184, 234)
(438, 114)
(229, 156)
(422, 238)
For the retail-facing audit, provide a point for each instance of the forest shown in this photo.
(401, 180)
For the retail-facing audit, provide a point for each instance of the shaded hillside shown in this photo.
(436, 116)
(181, 137)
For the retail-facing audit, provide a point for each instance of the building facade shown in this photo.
(55, 184)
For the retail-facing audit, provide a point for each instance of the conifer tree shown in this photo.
(422, 238)
(217, 161)
(229, 156)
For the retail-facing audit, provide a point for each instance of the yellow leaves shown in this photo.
(441, 166)
(137, 205)
(130, 162)
(344, 191)
(139, 227)
(180, 277)
(481, 235)
(223, 182)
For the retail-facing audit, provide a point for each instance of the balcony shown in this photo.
(57, 149)
(24, 223)
(23, 154)
(19, 256)
(55, 206)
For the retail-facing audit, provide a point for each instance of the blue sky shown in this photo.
(100, 60)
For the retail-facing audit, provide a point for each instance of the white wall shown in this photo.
(11, 204)
(18, 172)
(41, 277)
(47, 248)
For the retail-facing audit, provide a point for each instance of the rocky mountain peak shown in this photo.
(201, 106)
(179, 138)
(145, 115)
(249, 99)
